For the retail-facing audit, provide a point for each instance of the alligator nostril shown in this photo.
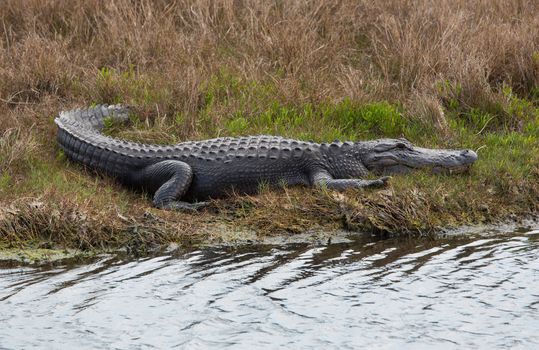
(469, 154)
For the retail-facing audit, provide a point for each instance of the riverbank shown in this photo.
(467, 77)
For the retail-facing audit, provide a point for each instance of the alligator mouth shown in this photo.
(459, 169)
(436, 169)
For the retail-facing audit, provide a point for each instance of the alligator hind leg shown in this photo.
(170, 179)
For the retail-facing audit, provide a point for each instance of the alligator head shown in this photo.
(394, 156)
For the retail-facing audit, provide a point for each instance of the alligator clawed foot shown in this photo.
(184, 206)
(382, 181)
(377, 183)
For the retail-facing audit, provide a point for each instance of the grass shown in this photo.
(457, 75)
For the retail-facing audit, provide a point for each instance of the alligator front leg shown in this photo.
(170, 179)
(322, 178)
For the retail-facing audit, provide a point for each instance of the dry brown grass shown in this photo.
(15, 146)
(313, 50)
(67, 223)
(423, 55)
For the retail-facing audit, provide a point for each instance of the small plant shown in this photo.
(450, 93)
(5, 180)
(237, 126)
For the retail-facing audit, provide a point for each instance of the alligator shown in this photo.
(184, 175)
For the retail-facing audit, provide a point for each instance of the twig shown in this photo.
(480, 148)
(484, 126)
(9, 100)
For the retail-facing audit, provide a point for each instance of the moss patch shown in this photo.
(38, 256)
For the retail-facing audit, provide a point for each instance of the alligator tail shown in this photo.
(92, 118)
(80, 137)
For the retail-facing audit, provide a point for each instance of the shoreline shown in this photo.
(39, 257)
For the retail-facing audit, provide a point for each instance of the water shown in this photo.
(480, 292)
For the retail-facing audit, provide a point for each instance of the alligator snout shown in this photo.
(470, 156)
(460, 162)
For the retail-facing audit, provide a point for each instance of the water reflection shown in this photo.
(467, 292)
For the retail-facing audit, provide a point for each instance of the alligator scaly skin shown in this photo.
(197, 170)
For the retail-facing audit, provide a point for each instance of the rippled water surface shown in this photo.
(480, 292)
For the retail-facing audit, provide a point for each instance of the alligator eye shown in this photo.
(401, 145)
(382, 148)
